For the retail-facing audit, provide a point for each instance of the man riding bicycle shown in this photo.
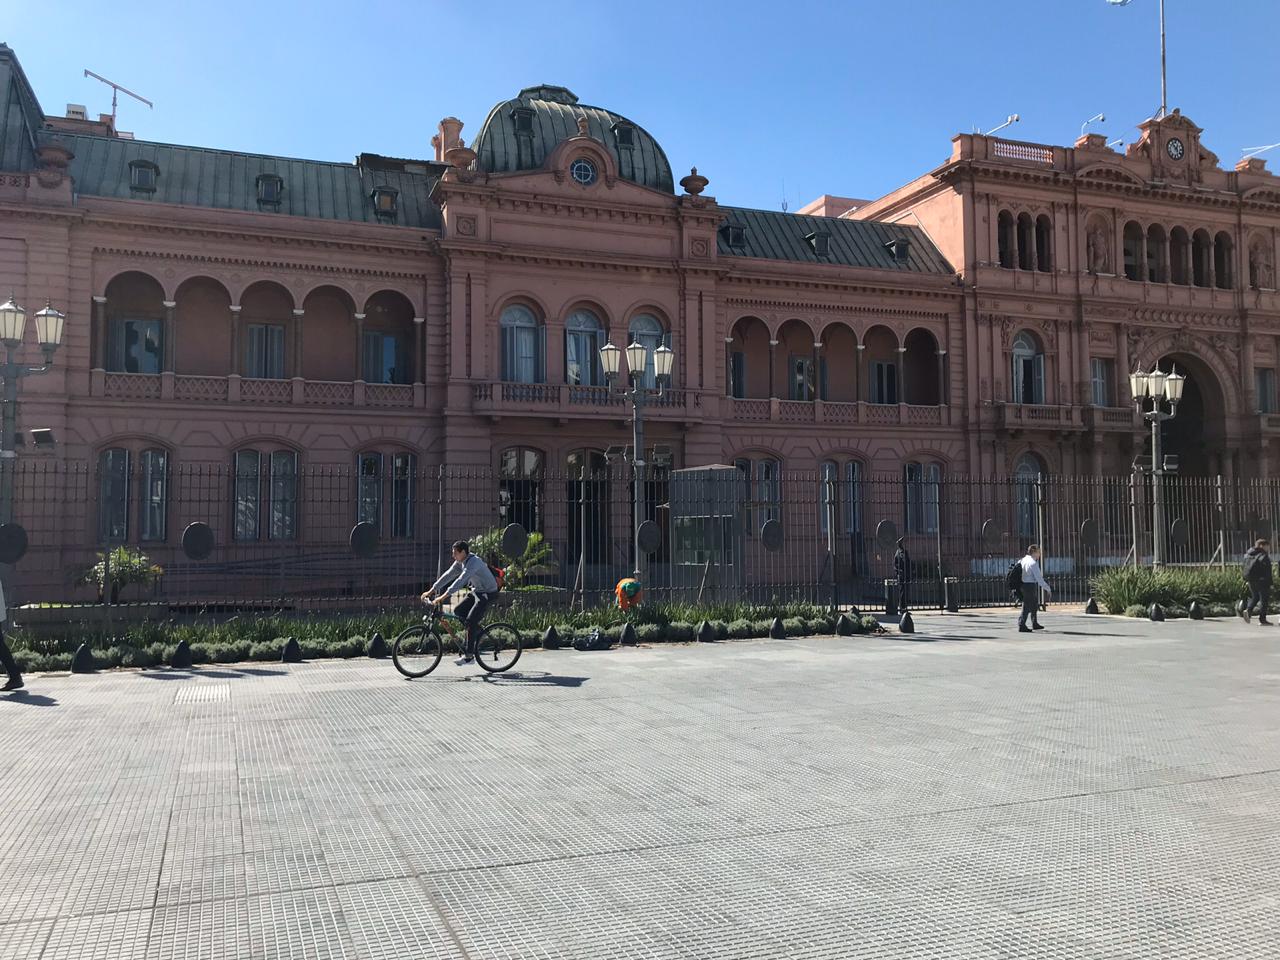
(467, 570)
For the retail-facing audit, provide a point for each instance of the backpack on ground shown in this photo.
(1013, 579)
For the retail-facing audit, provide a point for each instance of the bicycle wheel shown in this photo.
(416, 651)
(498, 647)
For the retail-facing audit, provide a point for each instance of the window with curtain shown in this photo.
(884, 381)
(583, 338)
(155, 492)
(403, 475)
(1265, 385)
(1028, 370)
(136, 346)
(647, 330)
(520, 487)
(386, 358)
(247, 466)
(802, 383)
(1100, 373)
(852, 497)
(1026, 474)
(737, 374)
(523, 346)
(369, 489)
(113, 495)
(923, 488)
(264, 351)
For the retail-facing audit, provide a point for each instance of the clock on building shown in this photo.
(1174, 148)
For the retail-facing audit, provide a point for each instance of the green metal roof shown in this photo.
(20, 115)
(554, 113)
(227, 180)
(773, 235)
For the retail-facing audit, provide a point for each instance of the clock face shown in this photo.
(1174, 148)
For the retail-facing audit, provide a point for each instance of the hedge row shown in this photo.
(219, 649)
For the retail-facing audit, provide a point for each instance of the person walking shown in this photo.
(1032, 583)
(6, 656)
(902, 570)
(1257, 576)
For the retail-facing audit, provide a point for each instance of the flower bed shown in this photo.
(1131, 591)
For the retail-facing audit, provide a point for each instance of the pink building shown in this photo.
(266, 316)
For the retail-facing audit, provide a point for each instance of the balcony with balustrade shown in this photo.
(234, 389)
(566, 402)
(1040, 416)
(815, 412)
(1111, 419)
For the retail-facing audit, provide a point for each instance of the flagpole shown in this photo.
(1164, 99)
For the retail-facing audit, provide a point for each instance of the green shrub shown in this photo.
(1137, 610)
(268, 650)
(128, 567)
(868, 624)
(680, 632)
(740, 629)
(794, 627)
(1120, 588)
(650, 633)
(537, 558)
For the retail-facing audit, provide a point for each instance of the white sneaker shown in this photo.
(463, 661)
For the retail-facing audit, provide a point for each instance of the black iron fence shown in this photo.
(280, 538)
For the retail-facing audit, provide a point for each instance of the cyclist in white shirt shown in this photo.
(1032, 583)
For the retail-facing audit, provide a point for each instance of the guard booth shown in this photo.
(706, 505)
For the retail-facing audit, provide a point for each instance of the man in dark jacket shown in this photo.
(902, 570)
(1257, 574)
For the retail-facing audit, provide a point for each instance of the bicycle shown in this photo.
(418, 649)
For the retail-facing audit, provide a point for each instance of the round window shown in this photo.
(584, 171)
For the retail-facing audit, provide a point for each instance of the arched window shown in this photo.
(588, 499)
(115, 495)
(583, 338)
(646, 329)
(1134, 252)
(153, 515)
(1028, 370)
(762, 490)
(828, 493)
(1006, 239)
(270, 479)
(846, 495)
(520, 471)
(1201, 258)
(386, 479)
(1026, 476)
(523, 346)
(923, 482)
(1179, 256)
(1223, 265)
(1044, 244)
(1026, 242)
(1156, 254)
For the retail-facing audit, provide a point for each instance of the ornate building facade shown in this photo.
(391, 315)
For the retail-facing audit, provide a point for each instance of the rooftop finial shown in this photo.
(694, 183)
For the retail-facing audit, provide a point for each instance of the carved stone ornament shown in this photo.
(694, 183)
(698, 247)
(584, 127)
(466, 226)
(1261, 275)
(1099, 250)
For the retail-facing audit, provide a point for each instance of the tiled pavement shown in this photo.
(1111, 789)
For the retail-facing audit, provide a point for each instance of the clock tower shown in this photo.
(1172, 145)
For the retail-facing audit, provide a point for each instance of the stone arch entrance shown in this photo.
(1197, 435)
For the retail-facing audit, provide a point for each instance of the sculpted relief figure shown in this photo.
(1099, 251)
(1260, 274)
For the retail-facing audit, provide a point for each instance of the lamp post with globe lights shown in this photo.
(639, 395)
(1160, 388)
(13, 325)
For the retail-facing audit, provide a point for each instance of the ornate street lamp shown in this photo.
(638, 394)
(1160, 388)
(13, 324)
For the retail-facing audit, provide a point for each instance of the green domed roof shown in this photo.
(519, 134)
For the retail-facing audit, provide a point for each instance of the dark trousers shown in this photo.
(1030, 604)
(903, 587)
(6, 659)
(1259, 597)
(471, 611)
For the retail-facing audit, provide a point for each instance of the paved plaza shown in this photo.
(1110, 789)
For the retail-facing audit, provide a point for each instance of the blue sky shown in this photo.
(768, 100)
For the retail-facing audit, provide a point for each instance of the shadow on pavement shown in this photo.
(538, 678)
(210, 674)
(30, 699)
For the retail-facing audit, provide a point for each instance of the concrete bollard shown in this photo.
(82, 660)
(906, 624)
(951, 594)
(292, 653)
(1091, 606)
(1195, 611)
(845, 626)
(706, 632)
(377, 648)
(1156, 613)
(551, 639)
(891, 598)
(628, 637)
(181, 659)
(776, 630)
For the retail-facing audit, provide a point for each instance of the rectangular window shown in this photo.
(385, 358)
(1028, 378)
(802, 382)
(369, 489)
(884, 381)
(155, 485)
(1101, 371)
(402, 477)
(828, 494)
(113, 496)
(582, 358)
(852, 498)
(284, 495)
(1265, 383)
(738, 374)
(702, 539)
(264, 351)
(247, 466)
(523, 349)
(137, 346)
(769, 490)
(923, 486)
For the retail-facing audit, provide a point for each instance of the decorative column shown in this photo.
(359, 319)
(860, 392)
(944, 392)
(729, 385)
(100, 318)
(1125, 365)
(772, 345)
(235, 338)
(295, 362)
(170, 361)
(902, 375)
(419, 348)
(817, 370)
